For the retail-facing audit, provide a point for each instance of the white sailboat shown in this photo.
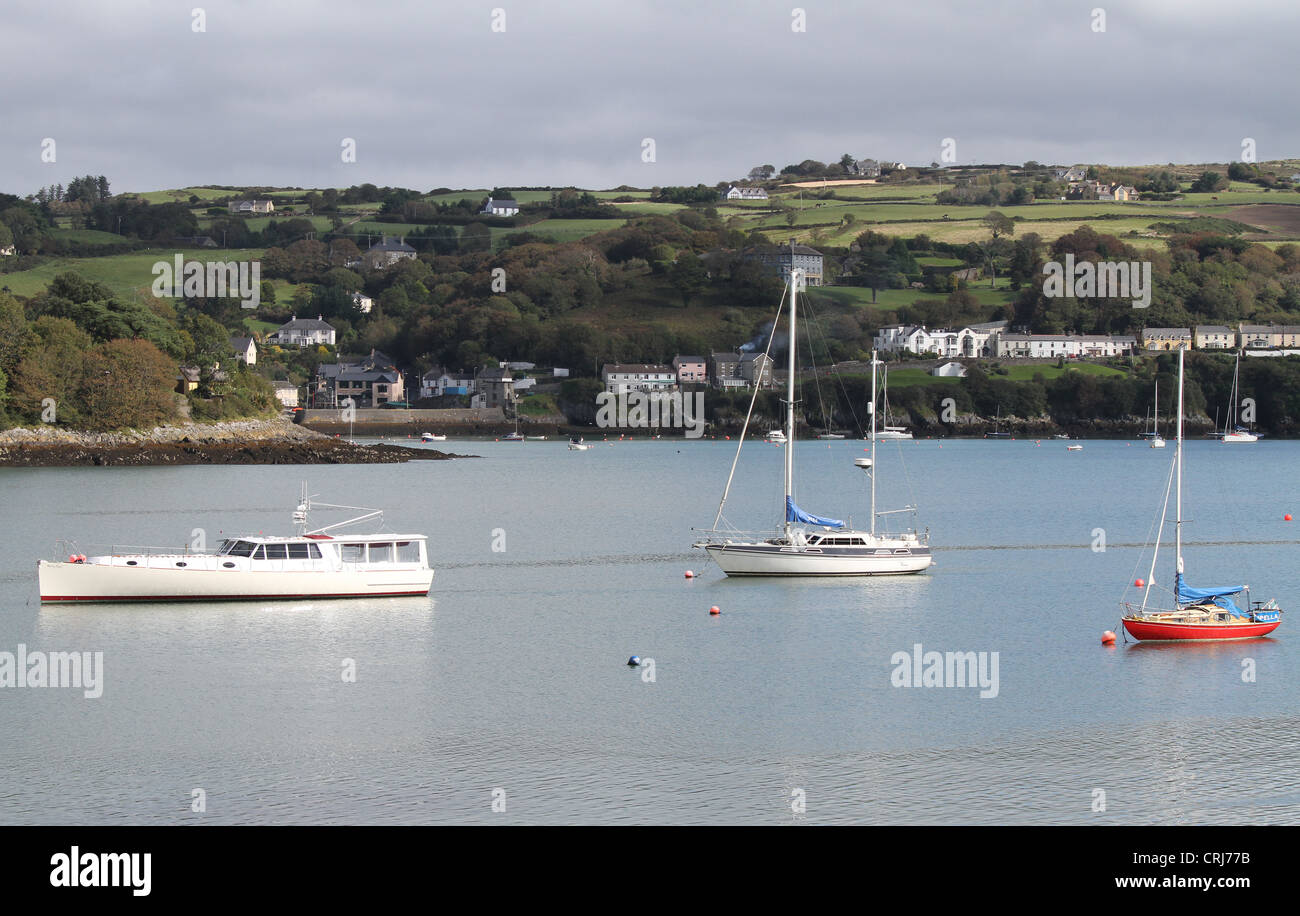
(1155, 440)
(1231, 431)
(807, 544)
(886, 431)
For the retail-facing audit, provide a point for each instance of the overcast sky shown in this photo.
(567, 93)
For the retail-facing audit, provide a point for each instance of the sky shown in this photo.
(522, 93)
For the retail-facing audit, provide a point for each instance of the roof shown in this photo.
(636, 367)
(306, 324)
(724, 357)
(1167, 332)
(1213, 329)
(240, 343)
(391, 244)
(503, 202)
(689, 359)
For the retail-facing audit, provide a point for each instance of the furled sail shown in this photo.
(794, 514)
(1220, 596)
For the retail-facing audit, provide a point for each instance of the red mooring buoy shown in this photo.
(1108, 638)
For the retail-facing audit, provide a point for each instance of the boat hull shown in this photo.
(1161, 631)
(90, 582)
(774, 560)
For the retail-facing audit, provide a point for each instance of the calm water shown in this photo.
(512, 674)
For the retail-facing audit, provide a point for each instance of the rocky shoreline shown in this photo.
(240, 442)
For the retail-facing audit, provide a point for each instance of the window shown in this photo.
(259, 553)
(240, 549)
(408, 552)
(381, 553)
(277, 551)
(298, 551)
(352, 553)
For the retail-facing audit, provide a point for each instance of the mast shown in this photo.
(1155, 421)
(789, 405)
(872, 409)
(1178, 458)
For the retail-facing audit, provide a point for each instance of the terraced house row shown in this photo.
(994, 340)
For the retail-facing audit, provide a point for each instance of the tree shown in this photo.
(475, 237)
(1208, 183)
(688, 277)
(127, 384)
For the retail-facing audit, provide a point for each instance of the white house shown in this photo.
(286, 393)
(245, 350)
(363, 303)
(969, 341)
(303, 332)
(738, 193)
(505, 207)
(949, 370)
(1214, 337)
(251, 207)
(1071, 346)
(7, 250)
(621, 378)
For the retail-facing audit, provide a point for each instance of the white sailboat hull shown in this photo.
(1239, 437)
(78, 582)
(758, 559)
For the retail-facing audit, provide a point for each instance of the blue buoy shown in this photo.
(634, 661)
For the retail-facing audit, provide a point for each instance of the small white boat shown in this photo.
(512, 437)
(578, 445)
(775, 435)
(432, 437)
(311, 564)
(1074, 448)
(893, 432)
(831, 436)
(536, 438)
(1231, 431)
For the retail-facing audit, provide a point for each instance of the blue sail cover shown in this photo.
(794, 514)
(1221, 596)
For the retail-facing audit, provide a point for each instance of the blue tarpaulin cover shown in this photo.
(1220, 596)
(794, 514)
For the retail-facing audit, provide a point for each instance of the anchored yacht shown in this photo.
(311, 564)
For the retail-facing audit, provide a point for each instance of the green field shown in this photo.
(127, 275)
(88, 236)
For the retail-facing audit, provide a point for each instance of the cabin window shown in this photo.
(298, 551)
(259, 552)
(315, 551)
(277, 551)
(240, 549)
(815, 539)
(408, 552)
(352, 553)
(381, 553)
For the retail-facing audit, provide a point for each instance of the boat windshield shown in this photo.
(236, 549)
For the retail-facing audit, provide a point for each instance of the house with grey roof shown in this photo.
(779, 259)
(303, 332)
(387, 252)
(503, 207)
(245, 350)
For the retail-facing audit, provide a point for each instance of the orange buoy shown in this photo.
(1286, 518)
(1108, 638)
(1138, 583)
(713, 611)
(690, 574)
